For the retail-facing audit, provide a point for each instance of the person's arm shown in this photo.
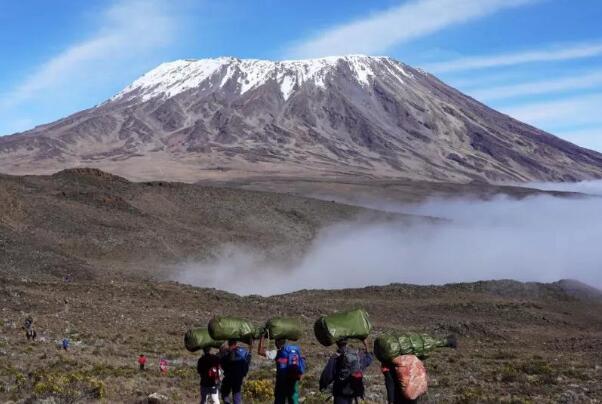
(366, 360)
(246, 364)
(261, 348)
(327, 376)
(366, 356)
(223, 360)
(199, 370)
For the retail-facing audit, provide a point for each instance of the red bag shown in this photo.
(411, 375)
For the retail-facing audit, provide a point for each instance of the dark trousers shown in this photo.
(345, 400)
(394, 394)
(233, 387)
(286, 393)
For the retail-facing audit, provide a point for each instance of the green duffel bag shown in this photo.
(389, 346)
(225, 328)
(346, 325)
(199, 338)
(284, 328)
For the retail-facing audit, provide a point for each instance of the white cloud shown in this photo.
(584, 187)
(379, 32)
(590, 138)
(577, 110)
(557, 53)
(535, 239)
(128, 30)
(576, 119)
(575, 82)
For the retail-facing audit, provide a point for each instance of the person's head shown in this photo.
(207, 350)
(141, 355)
(232, 343)
(280, 343)
(342, 343)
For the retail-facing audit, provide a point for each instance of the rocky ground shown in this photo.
(377, 192)
(519, 342)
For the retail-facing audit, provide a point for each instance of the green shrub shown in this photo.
(509, 374)
(469, 395)
(536, 368)
(259, 391)
(68, 386)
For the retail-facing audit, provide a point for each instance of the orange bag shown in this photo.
(411, 376)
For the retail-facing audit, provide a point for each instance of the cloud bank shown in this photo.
(535, 239)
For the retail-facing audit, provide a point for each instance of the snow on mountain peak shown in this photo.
(172, 78)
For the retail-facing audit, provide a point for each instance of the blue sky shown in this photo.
(538, 60)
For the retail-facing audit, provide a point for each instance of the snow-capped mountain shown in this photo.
(171, 79)
(338, 116)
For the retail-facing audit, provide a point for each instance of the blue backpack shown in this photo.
(290, 362)
(239, 354)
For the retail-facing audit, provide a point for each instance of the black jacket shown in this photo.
(205, 363)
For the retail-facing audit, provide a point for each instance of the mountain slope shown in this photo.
(91, 223)
(341, 116)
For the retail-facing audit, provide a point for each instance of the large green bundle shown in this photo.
(389, 346)
(199, 338)
(225, 328)
(346, 325)
(284, 328)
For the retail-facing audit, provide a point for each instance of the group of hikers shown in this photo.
(222, 368)
(31, 334)
(222, 372)
(233, 361)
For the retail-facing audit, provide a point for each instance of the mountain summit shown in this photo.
(338, 116)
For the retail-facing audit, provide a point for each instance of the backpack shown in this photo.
(411, 376)
(239, 354)
(212, 371)
(237, 361)
(349, 374)
(213, 374)
(290, 362)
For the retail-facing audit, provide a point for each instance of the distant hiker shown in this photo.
(290, 367)
(345, 371)
(65, 344)
(208, 368)
(141, 361)
(235, 362)
(163, 366)
(30, 333)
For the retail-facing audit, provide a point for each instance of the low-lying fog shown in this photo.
(540, 238)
